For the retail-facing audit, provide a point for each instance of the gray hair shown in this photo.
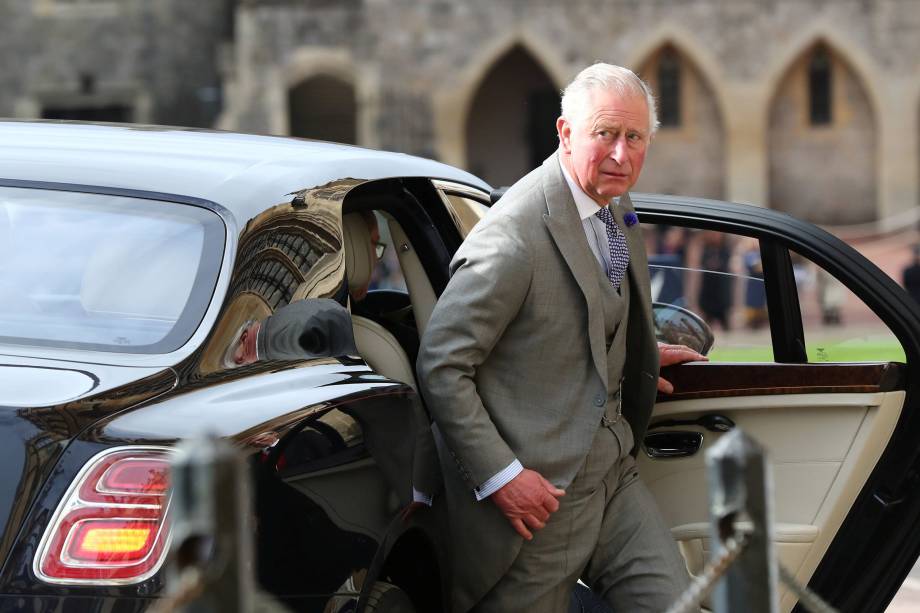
(607, 77)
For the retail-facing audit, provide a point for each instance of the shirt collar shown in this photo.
(586, 207)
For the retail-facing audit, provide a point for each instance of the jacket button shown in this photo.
(599, 400)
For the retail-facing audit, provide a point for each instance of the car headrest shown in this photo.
(359, 252)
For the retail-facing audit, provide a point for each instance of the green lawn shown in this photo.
(848, 351)
(741, 354)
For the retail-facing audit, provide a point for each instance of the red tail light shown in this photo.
(111, 527)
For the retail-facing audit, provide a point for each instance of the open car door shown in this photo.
(816, 355)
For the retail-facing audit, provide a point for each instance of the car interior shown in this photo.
(823, 426)
(379, 347)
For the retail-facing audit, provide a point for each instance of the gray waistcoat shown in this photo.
(616, 319)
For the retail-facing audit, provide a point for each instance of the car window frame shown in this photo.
(777, 234)
(787, 331)
(450, 188)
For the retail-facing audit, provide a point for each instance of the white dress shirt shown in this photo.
(595, 230)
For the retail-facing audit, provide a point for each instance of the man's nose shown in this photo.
(618, 151)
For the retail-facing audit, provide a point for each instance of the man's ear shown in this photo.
(564, 129)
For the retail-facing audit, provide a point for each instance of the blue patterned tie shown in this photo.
(616, 242)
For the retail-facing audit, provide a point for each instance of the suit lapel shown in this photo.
(638, 265)
(566, 229)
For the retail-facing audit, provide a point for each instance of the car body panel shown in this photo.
(34, 438)
(93, 379)
(243, 173)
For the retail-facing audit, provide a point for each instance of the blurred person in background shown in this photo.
(755, 294)
(715, 297)
(911, 276)
(667, 265)
(831, 298)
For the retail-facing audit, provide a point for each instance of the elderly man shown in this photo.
(540, 368)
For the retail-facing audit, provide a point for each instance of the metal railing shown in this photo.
(744, 569)
(209, 567)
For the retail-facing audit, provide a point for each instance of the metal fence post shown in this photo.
(210, 566)
(740, 502)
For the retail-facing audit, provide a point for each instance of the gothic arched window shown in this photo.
(669, 86)
(820, 108)
(324, 108)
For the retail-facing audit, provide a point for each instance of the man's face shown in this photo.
(245, 350)
(603, 147)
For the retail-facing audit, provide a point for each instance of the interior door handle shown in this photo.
(673, 444)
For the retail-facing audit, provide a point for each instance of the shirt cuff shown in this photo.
(498, 480)
(422, 497)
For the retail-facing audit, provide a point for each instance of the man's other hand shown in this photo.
(527, 501)
(675, 354)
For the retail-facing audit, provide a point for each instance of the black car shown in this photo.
(158, 284)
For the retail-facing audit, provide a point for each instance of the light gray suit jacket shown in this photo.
(513, 363)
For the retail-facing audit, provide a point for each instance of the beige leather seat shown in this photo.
(376, 345)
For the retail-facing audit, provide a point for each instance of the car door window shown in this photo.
(838, 326)
(719, 277)
(465, 205)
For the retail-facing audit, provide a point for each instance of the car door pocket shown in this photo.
(673, 444)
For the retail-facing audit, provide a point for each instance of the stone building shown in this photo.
(140, 61)
(808, 106)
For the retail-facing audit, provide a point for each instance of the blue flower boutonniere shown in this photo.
(630, 219)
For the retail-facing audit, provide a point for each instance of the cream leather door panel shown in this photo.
(822, 448)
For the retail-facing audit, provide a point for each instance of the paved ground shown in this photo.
(907, 599)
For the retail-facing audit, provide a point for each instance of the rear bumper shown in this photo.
(73, 604)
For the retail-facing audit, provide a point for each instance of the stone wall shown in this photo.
(824, 173)
(419, 61)
(687, 159)
(159, 59)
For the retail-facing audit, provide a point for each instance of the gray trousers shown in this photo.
(607, 532)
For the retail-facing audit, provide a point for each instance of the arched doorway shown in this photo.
(822, 141)
(511, 125)
(323, 108)
(687, 155)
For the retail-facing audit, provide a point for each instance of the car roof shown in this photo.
(234, 170)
